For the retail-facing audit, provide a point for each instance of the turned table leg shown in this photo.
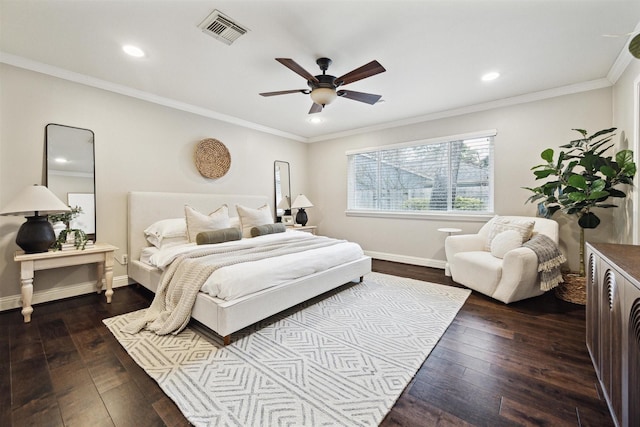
(108, 275)
(100, 275)
(26, 282)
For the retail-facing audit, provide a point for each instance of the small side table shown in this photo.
(100, 254)
(450, 231)
(307, 228)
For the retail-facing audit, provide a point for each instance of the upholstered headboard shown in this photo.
(145, 208)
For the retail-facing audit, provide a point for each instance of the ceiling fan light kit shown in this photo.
(324, 87)
(323, 95)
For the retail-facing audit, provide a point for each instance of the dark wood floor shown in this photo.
(521, 364)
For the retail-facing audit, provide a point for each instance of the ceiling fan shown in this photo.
(324, 87)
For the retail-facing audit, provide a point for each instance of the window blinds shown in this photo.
(444, 175)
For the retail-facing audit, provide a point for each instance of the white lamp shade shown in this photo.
(35, 198)
(323, 95)
(285, 203)
(301, 202)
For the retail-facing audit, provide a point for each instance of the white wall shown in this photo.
(523, 132)
(138, 146)
(626, 118)
(143, 146)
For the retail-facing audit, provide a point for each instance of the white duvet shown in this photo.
(237, 280)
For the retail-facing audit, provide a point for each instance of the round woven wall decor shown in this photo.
(212, 158)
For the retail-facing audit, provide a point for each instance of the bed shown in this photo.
(225, 317)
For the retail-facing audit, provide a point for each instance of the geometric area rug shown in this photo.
(342, 360)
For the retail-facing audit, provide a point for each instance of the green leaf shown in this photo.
(544, 173)
(598, 185)
(613, 192)
(589, 220)
(624, 157)
(577, 196)
(595, 195)
(582, 131)
(578, 181)
(547, 155)
(608, 171)
(629, 170)
(601, 132)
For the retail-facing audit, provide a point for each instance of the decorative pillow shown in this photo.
(261, 230)
(198, 222)
(250, 218)
(234, 222)
(167, 231)
(523, 226)
(504, 242)
(218, 236)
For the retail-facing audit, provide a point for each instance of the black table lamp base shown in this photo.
(301, 217)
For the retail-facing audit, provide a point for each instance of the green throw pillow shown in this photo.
(261, 230)
(218, 236)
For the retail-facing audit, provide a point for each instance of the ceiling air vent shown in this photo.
(222, 27)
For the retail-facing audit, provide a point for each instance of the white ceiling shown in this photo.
(434, 52)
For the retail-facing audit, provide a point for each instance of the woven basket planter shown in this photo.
(574, 289)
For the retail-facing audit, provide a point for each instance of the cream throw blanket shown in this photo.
(549, 260)
(170, 310)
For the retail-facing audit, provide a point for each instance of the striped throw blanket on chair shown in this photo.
(549, 260)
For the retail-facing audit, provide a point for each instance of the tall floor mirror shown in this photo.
(70, 172)
(282, 185)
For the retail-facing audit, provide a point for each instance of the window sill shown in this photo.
(455, 216)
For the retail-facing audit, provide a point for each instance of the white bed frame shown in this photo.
(225, 317)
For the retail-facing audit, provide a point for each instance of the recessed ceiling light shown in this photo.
(490, 76)
(134, 51)
(315, 120)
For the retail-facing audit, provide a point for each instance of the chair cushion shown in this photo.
(478, 270)
(504, 242)
(500, 224)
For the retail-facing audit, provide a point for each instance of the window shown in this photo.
(444, 175)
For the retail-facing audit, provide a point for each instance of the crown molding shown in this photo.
(505, 102)
(42, 68)
(39, 67)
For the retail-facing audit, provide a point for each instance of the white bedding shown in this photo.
(234, 281)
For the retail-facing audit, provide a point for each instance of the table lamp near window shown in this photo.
(301, 202)
(35, 202)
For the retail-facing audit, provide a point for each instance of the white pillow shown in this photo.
(499, 224)
(234, 222)
(198, 222)
(504, 242)
(167, 231)
(250, 218)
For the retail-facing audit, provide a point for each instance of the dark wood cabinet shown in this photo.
(613, 326)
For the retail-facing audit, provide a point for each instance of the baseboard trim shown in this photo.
(15, 301)
(404, 259)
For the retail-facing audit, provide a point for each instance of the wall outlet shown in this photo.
(124, 259)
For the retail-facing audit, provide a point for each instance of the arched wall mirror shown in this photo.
(282, 185)
(71, 172)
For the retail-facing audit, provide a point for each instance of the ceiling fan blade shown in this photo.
(284, 92)
(315, 108)
(293, 66)
(367, 70)
(367, 98)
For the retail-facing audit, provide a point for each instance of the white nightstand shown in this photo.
(313, 229)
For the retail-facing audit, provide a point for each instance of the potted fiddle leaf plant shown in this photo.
(69, 238)
(582, 178)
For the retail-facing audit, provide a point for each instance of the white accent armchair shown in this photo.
(511, 278)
